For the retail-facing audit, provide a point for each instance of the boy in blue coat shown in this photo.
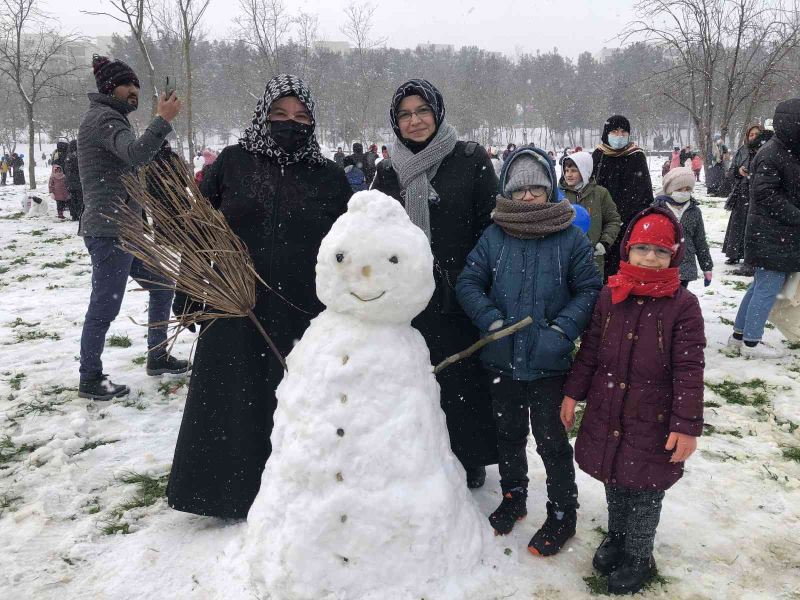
(533, 261)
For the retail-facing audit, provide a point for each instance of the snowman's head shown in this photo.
(375, 264)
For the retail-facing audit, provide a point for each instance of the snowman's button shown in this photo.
(340, 432)
(339, 477)
(343, 518)
(343, 398)
(345, 358)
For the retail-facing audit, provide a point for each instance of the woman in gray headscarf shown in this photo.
(280, 196)
(448, 188)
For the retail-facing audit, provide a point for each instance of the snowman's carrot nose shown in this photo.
(366, 270)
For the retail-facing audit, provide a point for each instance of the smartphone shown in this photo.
(168, 88)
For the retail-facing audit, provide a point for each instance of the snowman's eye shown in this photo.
(339, 257)
(394, 260)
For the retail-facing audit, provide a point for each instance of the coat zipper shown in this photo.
(660, 336)
(605, 328)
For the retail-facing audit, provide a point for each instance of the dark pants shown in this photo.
(636, 514)
(75, 204)
(111, 267)
(3, 178)
(512, 401)
(60, 206)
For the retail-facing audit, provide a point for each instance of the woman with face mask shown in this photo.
(280, 196)
(448, 188)
(621, 167)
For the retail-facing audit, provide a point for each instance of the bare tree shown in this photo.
(265, 25)
(724, 54)
(134, 13)
(307, 26)
(35, 58)
(357, 29)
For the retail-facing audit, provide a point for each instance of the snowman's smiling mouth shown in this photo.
(368, 299)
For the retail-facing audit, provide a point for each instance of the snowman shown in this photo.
(362, 497)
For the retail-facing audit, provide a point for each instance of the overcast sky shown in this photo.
(572, 26)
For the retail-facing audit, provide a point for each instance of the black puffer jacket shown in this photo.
(772, 238)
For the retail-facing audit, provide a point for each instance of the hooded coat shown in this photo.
(466, 186)
(605, 221)
(626, 176)
(640, 372)
(772, 237)
(552, 279)
(281, 213)
(57, 185)
(360, 160)
(694, 238)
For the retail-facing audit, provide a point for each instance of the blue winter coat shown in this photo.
(552, 279)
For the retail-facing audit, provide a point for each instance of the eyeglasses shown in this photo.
(536, 191)
(645, 249)
(422, 113)
(278, 114)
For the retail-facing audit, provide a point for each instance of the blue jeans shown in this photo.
(111, 267)
(757, 302)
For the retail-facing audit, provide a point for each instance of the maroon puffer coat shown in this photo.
(640, 370)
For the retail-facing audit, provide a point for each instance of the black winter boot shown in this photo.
(512, 509)
(166, 364)
(476, 477)
(101, 389)
(610, 553)
(632, 575)
(557, 529)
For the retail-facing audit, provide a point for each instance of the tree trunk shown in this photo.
(31, 146)
(189, 130)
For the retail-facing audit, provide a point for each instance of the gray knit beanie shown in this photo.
(525, 171)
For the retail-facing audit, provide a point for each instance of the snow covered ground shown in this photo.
(82, 513)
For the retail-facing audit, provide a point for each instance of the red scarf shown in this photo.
(640, 281)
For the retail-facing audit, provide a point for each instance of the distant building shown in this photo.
(604, 54)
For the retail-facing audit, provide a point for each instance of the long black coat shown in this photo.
(738, 203)
(627, 178)
(467, 187)
(282, 216)
(772, 237)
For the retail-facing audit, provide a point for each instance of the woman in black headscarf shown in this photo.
(448, 188)
(620, 166)
(280, 196)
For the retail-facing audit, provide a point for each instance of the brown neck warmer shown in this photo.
(527, 220)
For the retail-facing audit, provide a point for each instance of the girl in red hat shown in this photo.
(640, 372)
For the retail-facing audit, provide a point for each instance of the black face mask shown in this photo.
(290, 135)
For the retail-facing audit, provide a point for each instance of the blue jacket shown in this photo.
(552, 279)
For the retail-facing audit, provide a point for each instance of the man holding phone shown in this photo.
(107, 150)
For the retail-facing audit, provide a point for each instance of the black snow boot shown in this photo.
(101, 388)
(512, 509)
(632, 575)
(557, 529)
(476, 477)
(610, 553)
(166, 364)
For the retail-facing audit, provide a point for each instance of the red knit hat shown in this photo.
(653, 229)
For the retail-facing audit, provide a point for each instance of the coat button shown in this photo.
(636, 337)
(622, 385)
(640, 301)
(660, 418)
(616, 433)
(630, 336)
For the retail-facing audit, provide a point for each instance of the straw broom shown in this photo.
(191, 244)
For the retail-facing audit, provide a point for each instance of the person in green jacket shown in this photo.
(580, 189)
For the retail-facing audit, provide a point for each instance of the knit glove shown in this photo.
(183, 305)
(599, 249)
(707, 278)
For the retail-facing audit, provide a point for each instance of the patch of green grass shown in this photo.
(119, 341)
(16, 215)
(170, 387)
(745, 393)
(95, 444)
(16, 381)
(739, 286)
(10, 452)
(139, 360)
(52, 286)
(57, 265)
(35, 334)
(149, 490)
(597, 584)
(38, 232)
(20, 260)
(115, 528)
(94, 509)
(792, 454)
(24, 277)
(725, 321)
(55, 390)
(18, 322)
(4, 270)
(792, 426)
(7, 502)
(39, 406)
(600, 530)
(709, 404)
(793, 345)
(54, 240)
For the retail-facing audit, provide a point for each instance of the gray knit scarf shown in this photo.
(528, 221)
(415, 171)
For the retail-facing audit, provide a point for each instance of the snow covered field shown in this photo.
(82, 513)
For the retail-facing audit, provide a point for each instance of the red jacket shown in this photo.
(58, 185)
(640, 370)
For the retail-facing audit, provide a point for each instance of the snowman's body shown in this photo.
(362, 497)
